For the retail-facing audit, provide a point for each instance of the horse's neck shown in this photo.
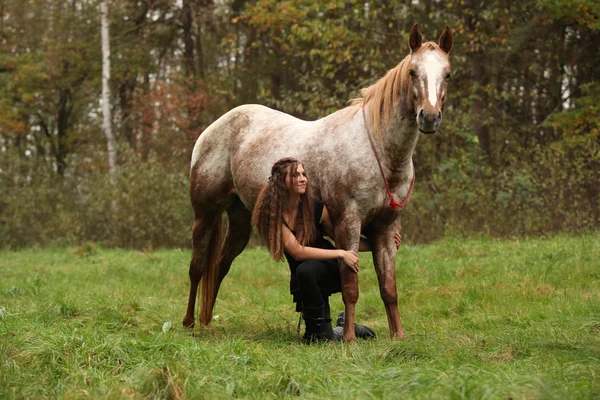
(399, 138)
(399, 142)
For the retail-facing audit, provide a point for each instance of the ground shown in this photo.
(485, 319)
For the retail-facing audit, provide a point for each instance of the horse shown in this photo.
(232, 158)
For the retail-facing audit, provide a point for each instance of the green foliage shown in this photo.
(485, 319)
(148, 207)
(583, 12)
(49, 64)
(583, 120)
(517, 153)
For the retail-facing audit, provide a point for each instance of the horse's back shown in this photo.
(211, 166)
(237, 151)
(234, 125)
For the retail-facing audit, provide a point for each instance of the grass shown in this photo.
(486, 319)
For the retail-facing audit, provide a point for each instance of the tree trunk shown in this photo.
(248, 79)
(188, 41)
(476, 60)
(126, 90)
(106, 112)
(62, 124)
(202, 18)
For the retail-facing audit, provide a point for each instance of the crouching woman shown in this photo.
(293, 225)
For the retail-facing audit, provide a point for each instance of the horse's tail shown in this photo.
(210, 278)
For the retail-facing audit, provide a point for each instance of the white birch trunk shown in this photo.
(106, 112)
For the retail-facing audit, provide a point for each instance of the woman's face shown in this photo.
(296, 181)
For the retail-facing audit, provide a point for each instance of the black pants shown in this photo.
(316, 281)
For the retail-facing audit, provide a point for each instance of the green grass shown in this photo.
(485, 319)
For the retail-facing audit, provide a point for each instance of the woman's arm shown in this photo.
(305, 253)
(363, 245)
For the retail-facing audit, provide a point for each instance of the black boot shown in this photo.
(361, 331)
(318, 324)
(338, 333)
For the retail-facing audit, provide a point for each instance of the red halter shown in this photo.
(393, 202)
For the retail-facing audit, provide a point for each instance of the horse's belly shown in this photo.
(252, 159)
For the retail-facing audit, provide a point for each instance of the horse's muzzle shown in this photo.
(429, 121)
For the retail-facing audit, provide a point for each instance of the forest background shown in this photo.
(518, 152)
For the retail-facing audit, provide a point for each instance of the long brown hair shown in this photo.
(273, 199)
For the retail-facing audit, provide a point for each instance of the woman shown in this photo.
(293, 224)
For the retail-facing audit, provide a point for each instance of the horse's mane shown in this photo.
(384, 94)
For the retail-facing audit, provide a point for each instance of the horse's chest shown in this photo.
(374, 204)
(377, 195)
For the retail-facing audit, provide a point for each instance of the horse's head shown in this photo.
(429, 73)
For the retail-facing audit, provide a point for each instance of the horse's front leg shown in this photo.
(347, 237)
(384, 257)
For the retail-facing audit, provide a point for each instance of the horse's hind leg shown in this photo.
(238, 233)
(239, 229)
(204, 225)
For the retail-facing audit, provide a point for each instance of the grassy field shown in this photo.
(485, 319)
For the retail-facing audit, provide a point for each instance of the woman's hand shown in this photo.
(397, 239)
(350, 258)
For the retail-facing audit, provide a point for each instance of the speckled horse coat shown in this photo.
(233, 157)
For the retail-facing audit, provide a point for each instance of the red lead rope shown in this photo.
(393, 202)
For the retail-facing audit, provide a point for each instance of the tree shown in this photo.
(106, 111)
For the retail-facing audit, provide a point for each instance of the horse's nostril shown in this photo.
(421, 116)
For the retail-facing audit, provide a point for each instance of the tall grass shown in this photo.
(485, 319)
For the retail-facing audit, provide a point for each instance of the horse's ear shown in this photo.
(416, 38)
(446, 40)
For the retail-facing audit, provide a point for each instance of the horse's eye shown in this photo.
(413, 73)
(448, 76)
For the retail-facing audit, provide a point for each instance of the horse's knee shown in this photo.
(389, 294)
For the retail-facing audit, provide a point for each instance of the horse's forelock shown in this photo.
(435, 47)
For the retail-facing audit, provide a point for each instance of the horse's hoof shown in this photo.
(400, 336)
(188, 323)
(350, 339)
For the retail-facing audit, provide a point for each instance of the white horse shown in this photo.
(233, 157)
